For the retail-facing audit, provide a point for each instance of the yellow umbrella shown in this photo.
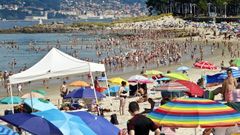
(178, 76)
(79, 84)
(152, 72)
(116, 80)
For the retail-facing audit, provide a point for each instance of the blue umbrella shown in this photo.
(67, 123)
(112, 89)
(32, 124)
(98, 124)
(163, 79)
(84, 93)
(6, 131)
(183, 68)
(39, 104)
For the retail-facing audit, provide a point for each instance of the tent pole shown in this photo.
(11, 94)
(108, 90)
(95, 93)
(31, 96)
(107, 83)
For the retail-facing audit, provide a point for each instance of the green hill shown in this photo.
(46, 4)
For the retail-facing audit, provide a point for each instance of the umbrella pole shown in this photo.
(107, 84)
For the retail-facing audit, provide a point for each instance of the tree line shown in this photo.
(195, 7)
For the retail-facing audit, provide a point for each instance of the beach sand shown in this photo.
(194, 74)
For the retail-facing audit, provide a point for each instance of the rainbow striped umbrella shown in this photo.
(193, 113)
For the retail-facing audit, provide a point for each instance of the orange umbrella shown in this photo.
(79, 84)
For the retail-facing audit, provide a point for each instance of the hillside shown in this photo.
(46, 4)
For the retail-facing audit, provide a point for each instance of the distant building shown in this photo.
(45, 17)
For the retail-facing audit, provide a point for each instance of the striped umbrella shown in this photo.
(205, 65)
(171, 87)
(6, 131)
(139, 79)
(195, 112)
(235, 73)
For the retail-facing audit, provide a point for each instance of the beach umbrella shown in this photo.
(116, 80)
(6, 131)
(9, 100)
(39, 104)
(32, 124)
(79, 84)
(112, 89)
(163, 79)
(193, 113)
(43, 92)
(178, 76)
(233, 105)
(237, 62)
(139, 79)
(98, 124)
(235, 74)
(171, 87)
(33, 95)
(183, 68)
(68, 124)
(152, 72)
(84, 93)
(205, 65)
(193, 88)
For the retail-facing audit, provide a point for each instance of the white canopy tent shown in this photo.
(55, 64)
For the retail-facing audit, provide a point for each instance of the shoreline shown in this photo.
(194, 74)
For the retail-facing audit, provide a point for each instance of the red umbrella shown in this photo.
(193, 89)
(204, 65)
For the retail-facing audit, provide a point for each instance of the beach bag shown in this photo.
(208, 95)
(114, 119)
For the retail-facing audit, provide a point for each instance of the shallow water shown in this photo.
(25, 57)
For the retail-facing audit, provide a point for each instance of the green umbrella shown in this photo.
(43, 92)
(8, 100)
(178, 76)
(237, 62)
(152, 72)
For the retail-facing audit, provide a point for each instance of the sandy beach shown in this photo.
(194, 74)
